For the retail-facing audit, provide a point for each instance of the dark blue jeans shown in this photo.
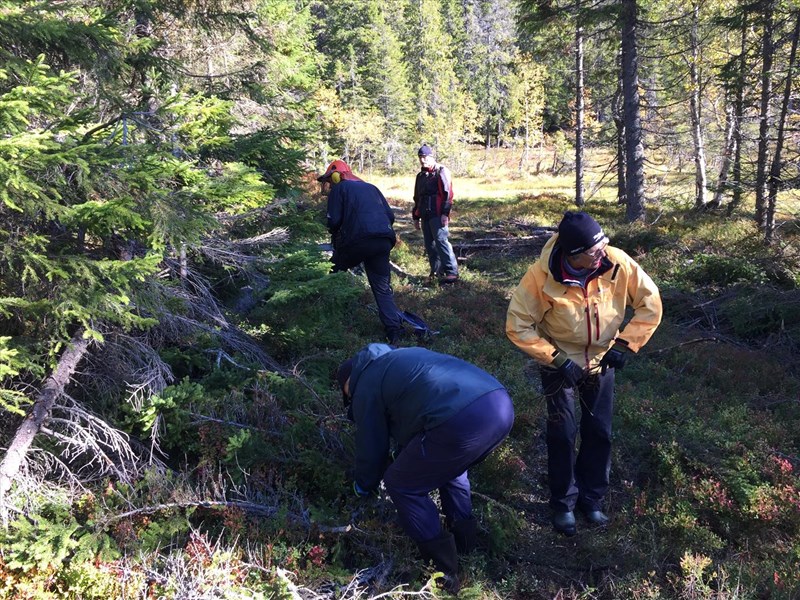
(374, 253)
(580, 481)
(440, 253)
(439, 459)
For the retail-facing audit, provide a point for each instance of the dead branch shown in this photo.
(533, 228)
(199, 419)
(92, 446)
(686, 343)
(40, 412)
(145, 374)
(256, 213)
(497, 503)
(279, 235)
(237, 253)
(251, 507)
(204, 314)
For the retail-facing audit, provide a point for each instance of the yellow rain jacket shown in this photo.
(546, 316)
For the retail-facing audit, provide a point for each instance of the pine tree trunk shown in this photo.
(579, 108)
(619, 123)
(634, 149)
(764, 114)
(526, 147)
(738, 116)
(775, 170)
(701, 179)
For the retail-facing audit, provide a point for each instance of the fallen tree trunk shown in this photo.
(40, 412)
(399, 271)
(503, 243)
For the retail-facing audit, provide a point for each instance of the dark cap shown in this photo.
(578, 232)
(342, 375)
(425, 150)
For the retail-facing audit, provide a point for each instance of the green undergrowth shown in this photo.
(705, 498)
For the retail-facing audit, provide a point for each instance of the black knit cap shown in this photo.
(578, 232)
(425, 150)
(342, 375)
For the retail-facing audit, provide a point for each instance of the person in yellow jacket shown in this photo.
(568, 314)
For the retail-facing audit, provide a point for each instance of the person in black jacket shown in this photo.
(360, 222)
(433, 199)
(443, 415)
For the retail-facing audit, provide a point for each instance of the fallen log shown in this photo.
(399, 271)
(502, 243)
(40, 412)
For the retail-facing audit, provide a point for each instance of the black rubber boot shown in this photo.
(564, 523)
(465, 533)
(442, 551)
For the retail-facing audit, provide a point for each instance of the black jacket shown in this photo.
(357, 211)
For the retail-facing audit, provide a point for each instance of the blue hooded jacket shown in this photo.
(357, 210)
(398, 393)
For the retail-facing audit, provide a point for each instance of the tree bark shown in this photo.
(701, 179)
(634, 149)
(775, 170)
(579, 108)
(727, 155)
(619, 123)
(764, 113)
(738, 116)
(523, 160)
(40, 412)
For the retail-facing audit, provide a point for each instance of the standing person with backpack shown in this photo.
(433, 199)
(360, 222)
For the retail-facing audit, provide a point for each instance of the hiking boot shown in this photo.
(442, 551)
(452, 278)
(564, 523)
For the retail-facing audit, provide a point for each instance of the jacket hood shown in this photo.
(363, 359)
(547, 250)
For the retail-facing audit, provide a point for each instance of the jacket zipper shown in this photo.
(588, 326)
(596, 322)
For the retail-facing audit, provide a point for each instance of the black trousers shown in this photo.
(374, 253)
(578, 477)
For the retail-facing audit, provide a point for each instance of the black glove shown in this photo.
(570, 372)
(615, 358)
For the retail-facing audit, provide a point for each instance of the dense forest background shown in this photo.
(168, 326)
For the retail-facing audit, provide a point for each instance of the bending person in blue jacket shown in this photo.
(360, 222)
(444, 415)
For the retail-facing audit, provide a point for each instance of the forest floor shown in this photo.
(539, 554)
(521, 557)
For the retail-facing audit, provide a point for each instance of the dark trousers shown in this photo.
(580, 480)
(439, 459)
(374, 253)
(440, 253)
